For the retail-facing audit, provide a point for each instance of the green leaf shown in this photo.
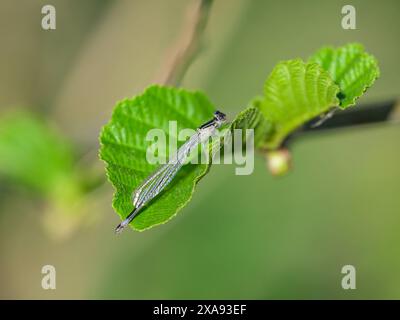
(294, 93)
(33, 154)
(351, 68)
(252, 118)
(124, 145)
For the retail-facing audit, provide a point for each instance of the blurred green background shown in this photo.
(247, 237)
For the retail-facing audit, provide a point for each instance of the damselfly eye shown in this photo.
(220, 116)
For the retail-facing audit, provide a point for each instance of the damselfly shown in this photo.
(157, 181)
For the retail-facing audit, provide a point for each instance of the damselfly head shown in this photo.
(220, 117)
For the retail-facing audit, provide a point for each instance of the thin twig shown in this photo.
(187, 47)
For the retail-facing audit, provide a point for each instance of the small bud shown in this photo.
(278, 161)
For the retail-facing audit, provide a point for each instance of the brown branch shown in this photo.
(183, 53)
(384, 112)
